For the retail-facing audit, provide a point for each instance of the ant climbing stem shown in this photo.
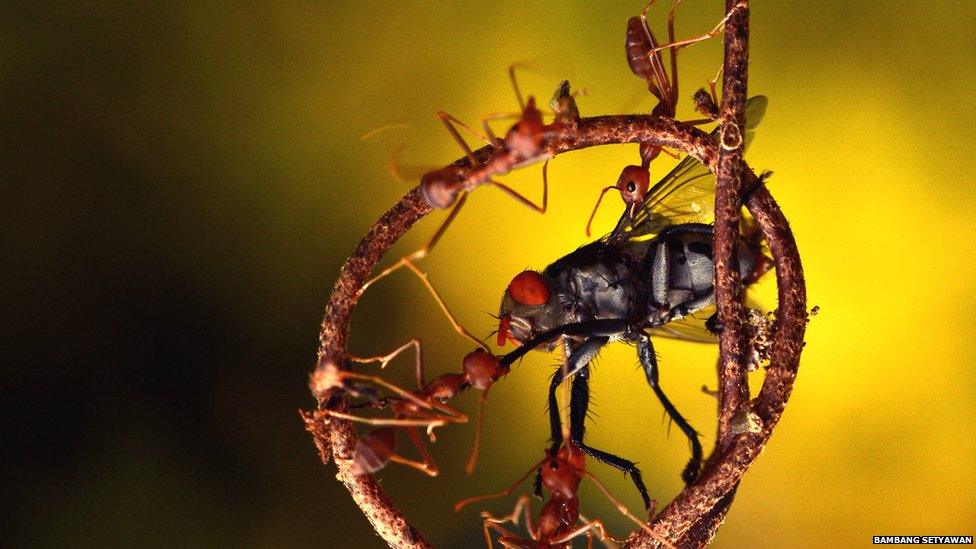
(439, 187)
(644, 58)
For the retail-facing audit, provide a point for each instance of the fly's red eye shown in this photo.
(529, 288)
(503, 324)
(633, 183)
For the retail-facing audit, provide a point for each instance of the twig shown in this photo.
(691, 519)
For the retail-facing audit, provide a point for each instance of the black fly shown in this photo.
(652, 275)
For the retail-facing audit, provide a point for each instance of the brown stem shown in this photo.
(733, 372)
(692, 518)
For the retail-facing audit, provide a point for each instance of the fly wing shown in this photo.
(689, 328)
(692, 327)
(685, 195)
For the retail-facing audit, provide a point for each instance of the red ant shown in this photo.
(559, 520)
(481, 369)
(441, 188)
(645, 61)
(424, 407)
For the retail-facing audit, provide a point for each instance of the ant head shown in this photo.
(526, 136)
(482, 369)
(572, 454)
(633, 184)
(528, 307)
(560, 476)
(439, 187)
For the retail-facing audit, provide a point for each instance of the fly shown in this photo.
(652, 275)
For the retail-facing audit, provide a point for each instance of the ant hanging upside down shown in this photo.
(560, 520)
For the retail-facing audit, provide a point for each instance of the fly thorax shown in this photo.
(598, 290)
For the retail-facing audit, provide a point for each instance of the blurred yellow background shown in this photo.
(185, 181)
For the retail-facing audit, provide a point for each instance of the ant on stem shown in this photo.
(424, 407)
(645, 61)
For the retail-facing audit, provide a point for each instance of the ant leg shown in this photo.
(385, 359)
(449, 122)
(487, 527)
(700, 38)
(661, 78)
(425, 250)
(626, 512)
(587, 528)
(395, 422)
(597, 206)
(406, 262)
(645, 352)
(479, 422)
(458, 327)
(505, 115)
(578, 405)
(713, 82)
(523, 506)
(517, 196)
(467, 501)
(430, 420)
(673, 53)
(496, 116)
(428, 465)
(515, 86)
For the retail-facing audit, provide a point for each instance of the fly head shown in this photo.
(529, 307)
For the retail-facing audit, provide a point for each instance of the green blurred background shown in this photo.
(181, 183)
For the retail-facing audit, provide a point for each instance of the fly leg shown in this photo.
(645, 352)
(578, 405)
(576, 364)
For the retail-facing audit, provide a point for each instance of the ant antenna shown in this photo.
(597, 206)
(479, 421)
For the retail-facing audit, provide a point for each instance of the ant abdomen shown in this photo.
(373, 450)
(439, 187)
(638, 45)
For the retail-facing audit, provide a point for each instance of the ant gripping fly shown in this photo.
(645, 61)
(559, 520)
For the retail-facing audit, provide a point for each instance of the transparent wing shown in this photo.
(689, 328)
(685, 195)
(692, 327)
